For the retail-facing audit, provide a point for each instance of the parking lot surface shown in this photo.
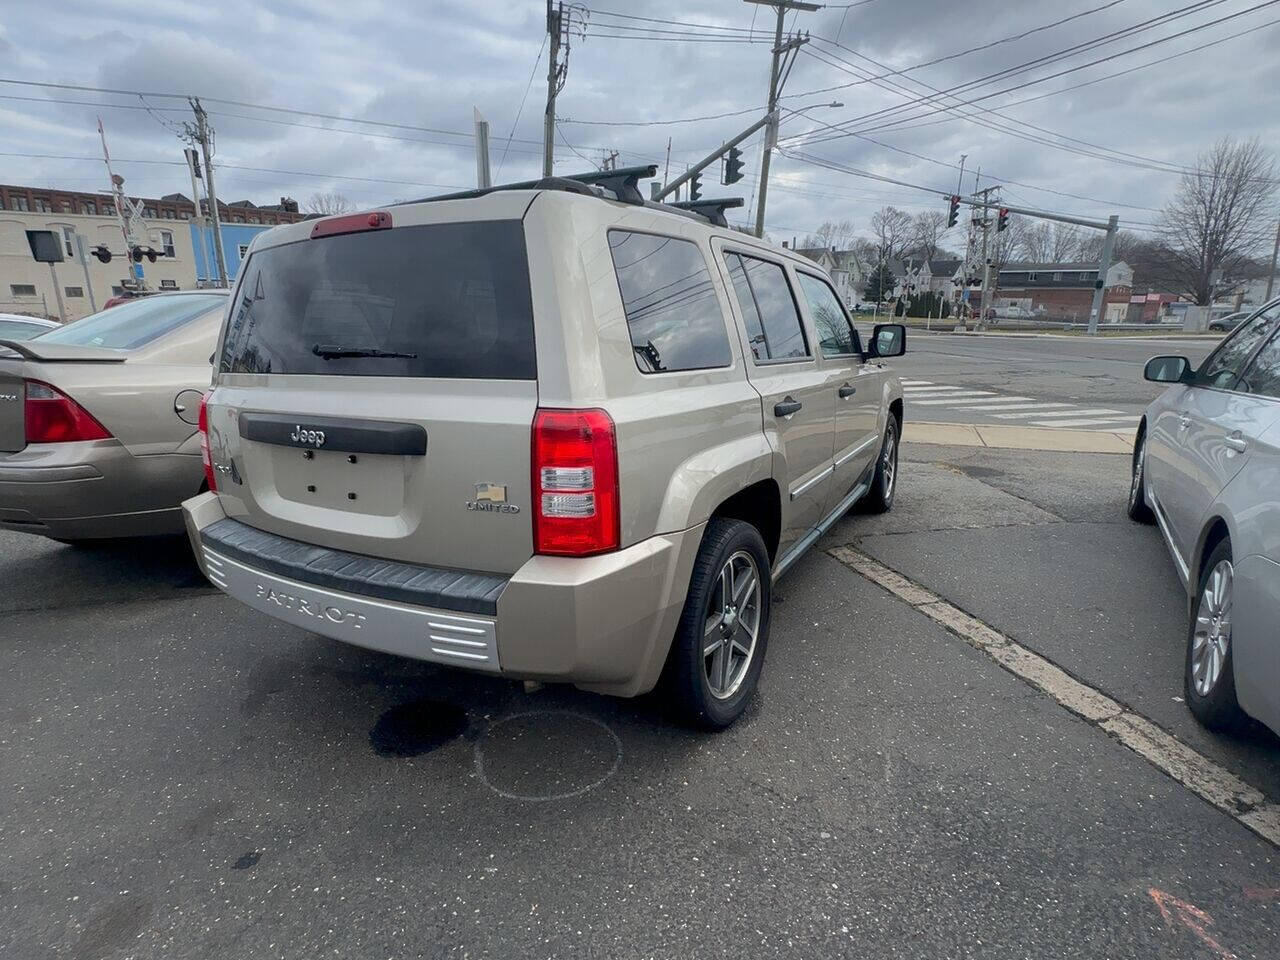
(189, 779)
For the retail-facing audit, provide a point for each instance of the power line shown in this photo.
(529, 86)
(660, 123)
(1029, 65)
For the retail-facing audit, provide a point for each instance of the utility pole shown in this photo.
(204, 136)
(1272, 275)
(82, 254)
(555, 73)
(1100, 285)
(986, 264)
(666, 170)
(193, 168)
(483, 180)
(776, 80)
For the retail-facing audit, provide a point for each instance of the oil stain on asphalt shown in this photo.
(418, 727)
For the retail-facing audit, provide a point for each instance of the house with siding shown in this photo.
(1064, 291)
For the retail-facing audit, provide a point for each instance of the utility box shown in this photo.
(46, 246)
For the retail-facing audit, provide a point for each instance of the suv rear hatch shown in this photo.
(376, 388)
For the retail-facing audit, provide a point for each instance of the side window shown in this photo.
(769, 308)
(836, 336)
(673, 314)
(1222, 366)
(1263, 375)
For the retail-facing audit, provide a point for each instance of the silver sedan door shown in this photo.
(1200, 439)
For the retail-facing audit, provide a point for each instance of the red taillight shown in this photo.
(53, 417)
(202, 423)
(575, 483)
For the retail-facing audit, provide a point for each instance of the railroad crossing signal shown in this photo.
(954, 215)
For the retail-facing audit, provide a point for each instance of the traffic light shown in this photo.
(732, 167)
(695, 187)
(1002, 221)
(954, 215)
(102, 253)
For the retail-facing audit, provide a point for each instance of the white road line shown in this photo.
(922, 397)
(928, 389)
(1024, 406)
(916, 383)
(1000, 402)
(1118, 422)
(1069, 412)
(1209, 780)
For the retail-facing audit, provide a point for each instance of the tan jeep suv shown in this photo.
(551, 431)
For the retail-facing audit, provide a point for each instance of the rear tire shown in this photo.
(1137, 507)
(719, 646)
(1209, 680)
(884, 483)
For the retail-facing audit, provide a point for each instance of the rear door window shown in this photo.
(673, 312)
(768, 307)
(447, 300)
(836, 336)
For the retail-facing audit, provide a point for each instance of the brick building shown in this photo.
(1064, 291)
(173, 206)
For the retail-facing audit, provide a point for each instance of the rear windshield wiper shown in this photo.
(332, 351)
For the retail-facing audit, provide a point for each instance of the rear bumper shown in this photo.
(604, 623)
(73, 491)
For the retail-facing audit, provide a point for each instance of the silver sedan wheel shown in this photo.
(1139, 469)
(732, 626)
(1211, 639)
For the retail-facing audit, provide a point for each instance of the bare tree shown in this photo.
(1220, 215)
(893, 230)
(327, 204)
(927, 229)
(830, 234)
(1045, 242)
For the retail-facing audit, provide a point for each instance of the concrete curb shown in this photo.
(1011, 437)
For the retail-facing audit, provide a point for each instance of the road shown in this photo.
(185, 778)
(1075, 381)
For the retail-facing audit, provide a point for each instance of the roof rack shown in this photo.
(623, 184)
(711, 208)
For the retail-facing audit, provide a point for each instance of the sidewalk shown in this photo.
(1019, 438)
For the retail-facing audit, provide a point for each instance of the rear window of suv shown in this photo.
(447, 300)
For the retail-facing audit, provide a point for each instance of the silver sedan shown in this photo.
(1206, 469)
(98, 419)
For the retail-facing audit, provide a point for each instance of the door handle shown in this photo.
(1238, 444)
(847, 391)
(787, 407)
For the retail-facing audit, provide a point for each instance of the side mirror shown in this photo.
(888, 340)
(1168, 370)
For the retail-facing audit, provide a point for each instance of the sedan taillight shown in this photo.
(53, 417)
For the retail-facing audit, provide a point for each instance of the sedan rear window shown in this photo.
(436, 300)
(134, 323)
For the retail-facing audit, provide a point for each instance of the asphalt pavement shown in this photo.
(185, 778)
(1038, 380)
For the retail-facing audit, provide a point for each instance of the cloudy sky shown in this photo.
(1029, 109)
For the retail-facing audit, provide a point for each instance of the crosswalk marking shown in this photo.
(1005, 407)
(1117, 423)
(1072, 412)
(945, 397)
(968, 402)
(912, 390)
(916, 383)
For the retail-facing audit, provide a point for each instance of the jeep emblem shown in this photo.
(313, 438)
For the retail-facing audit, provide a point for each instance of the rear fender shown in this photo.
(711, 476)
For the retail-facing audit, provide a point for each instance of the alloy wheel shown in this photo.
(889, 460)
(1211, 638)
(732, 625)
